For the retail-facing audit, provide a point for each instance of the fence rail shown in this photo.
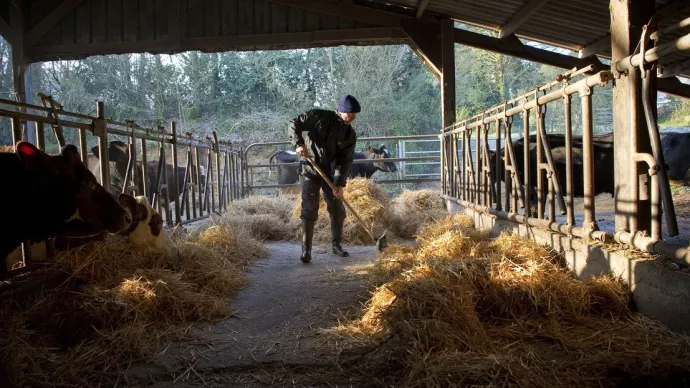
(250, 172)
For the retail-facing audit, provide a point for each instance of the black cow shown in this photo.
(48, 195)
(603, 164)
(675, 146)
(287, 175)
(290, 174)
(119, 158)
(366, 170)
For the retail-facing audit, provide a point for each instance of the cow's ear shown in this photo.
(32, 157)
(382, 147)
(370, 149)
(71, 153)
(129, 203)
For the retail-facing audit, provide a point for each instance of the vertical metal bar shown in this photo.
(16, 130)
(588, 160)
(443, 163)
(40, 136)
(83, 146)
(510, 200)
(219, 182)
(102, 133)
(133, 158)
(497, 156)
(178, 216)
(211, 189)
(195, 181)
(144, 172)
(656, 206)
(570, 202)
(526, 166)
(243, 172)
(198, 164)
(187, 186)
(539, 166)
(479, 189)
(463, 146)
(231, 179)
(166, 183)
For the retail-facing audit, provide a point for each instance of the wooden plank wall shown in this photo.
(112, 21)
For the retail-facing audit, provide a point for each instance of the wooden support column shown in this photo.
(629, 127)
(21, 71)
(448, 94)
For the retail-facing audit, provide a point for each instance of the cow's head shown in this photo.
(78, 204)
(117, 152)
(379, 154)
(147, 226)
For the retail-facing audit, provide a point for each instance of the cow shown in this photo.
(288, 175)
(674, 146)
(146, 229)
(603, 164)
(50, 195)
(366, 170)
(119, 159)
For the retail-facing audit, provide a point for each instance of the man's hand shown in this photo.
(302, 151)
(338, 192)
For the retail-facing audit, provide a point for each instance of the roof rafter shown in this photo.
(601, 45)
(421, 6)
(56, 16)
(525, 13)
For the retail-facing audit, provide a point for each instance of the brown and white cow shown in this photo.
(47, 195)
(146, 229)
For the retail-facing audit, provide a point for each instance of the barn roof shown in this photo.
(71, 29)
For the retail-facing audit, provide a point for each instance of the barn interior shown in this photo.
(631, 247)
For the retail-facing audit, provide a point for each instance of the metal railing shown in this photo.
(469, 174)
(250, 174)
(209, 190)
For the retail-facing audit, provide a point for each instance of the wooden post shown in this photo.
(175, 183)
(102, 133)
(629, 128)
(448, 93)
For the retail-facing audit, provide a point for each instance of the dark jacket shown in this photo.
(331, 143)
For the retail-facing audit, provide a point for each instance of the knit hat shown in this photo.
(349, 104)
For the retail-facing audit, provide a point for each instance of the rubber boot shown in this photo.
(337, 233)
(307, 236)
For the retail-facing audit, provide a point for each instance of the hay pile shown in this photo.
(415, 208)
(465, 310)
(368, 199)
(264, 218)
(119, 304)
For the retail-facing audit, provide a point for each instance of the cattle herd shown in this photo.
(58, 195)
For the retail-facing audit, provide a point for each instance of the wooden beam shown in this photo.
(379, 35)
(513, 47)
(56, 16)
(673, 86)
(6, 31)
(348, 11)
(601, 45)
(421, 6)
(447, 45)
(631, 196)
(521, 17)
(426, 43)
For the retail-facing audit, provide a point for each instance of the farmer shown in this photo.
(329, 139)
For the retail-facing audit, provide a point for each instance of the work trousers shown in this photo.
(311, 187)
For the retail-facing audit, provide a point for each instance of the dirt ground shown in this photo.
(275, 337)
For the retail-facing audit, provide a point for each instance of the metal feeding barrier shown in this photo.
(399, 143)
(210, 185)
(470, 173)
